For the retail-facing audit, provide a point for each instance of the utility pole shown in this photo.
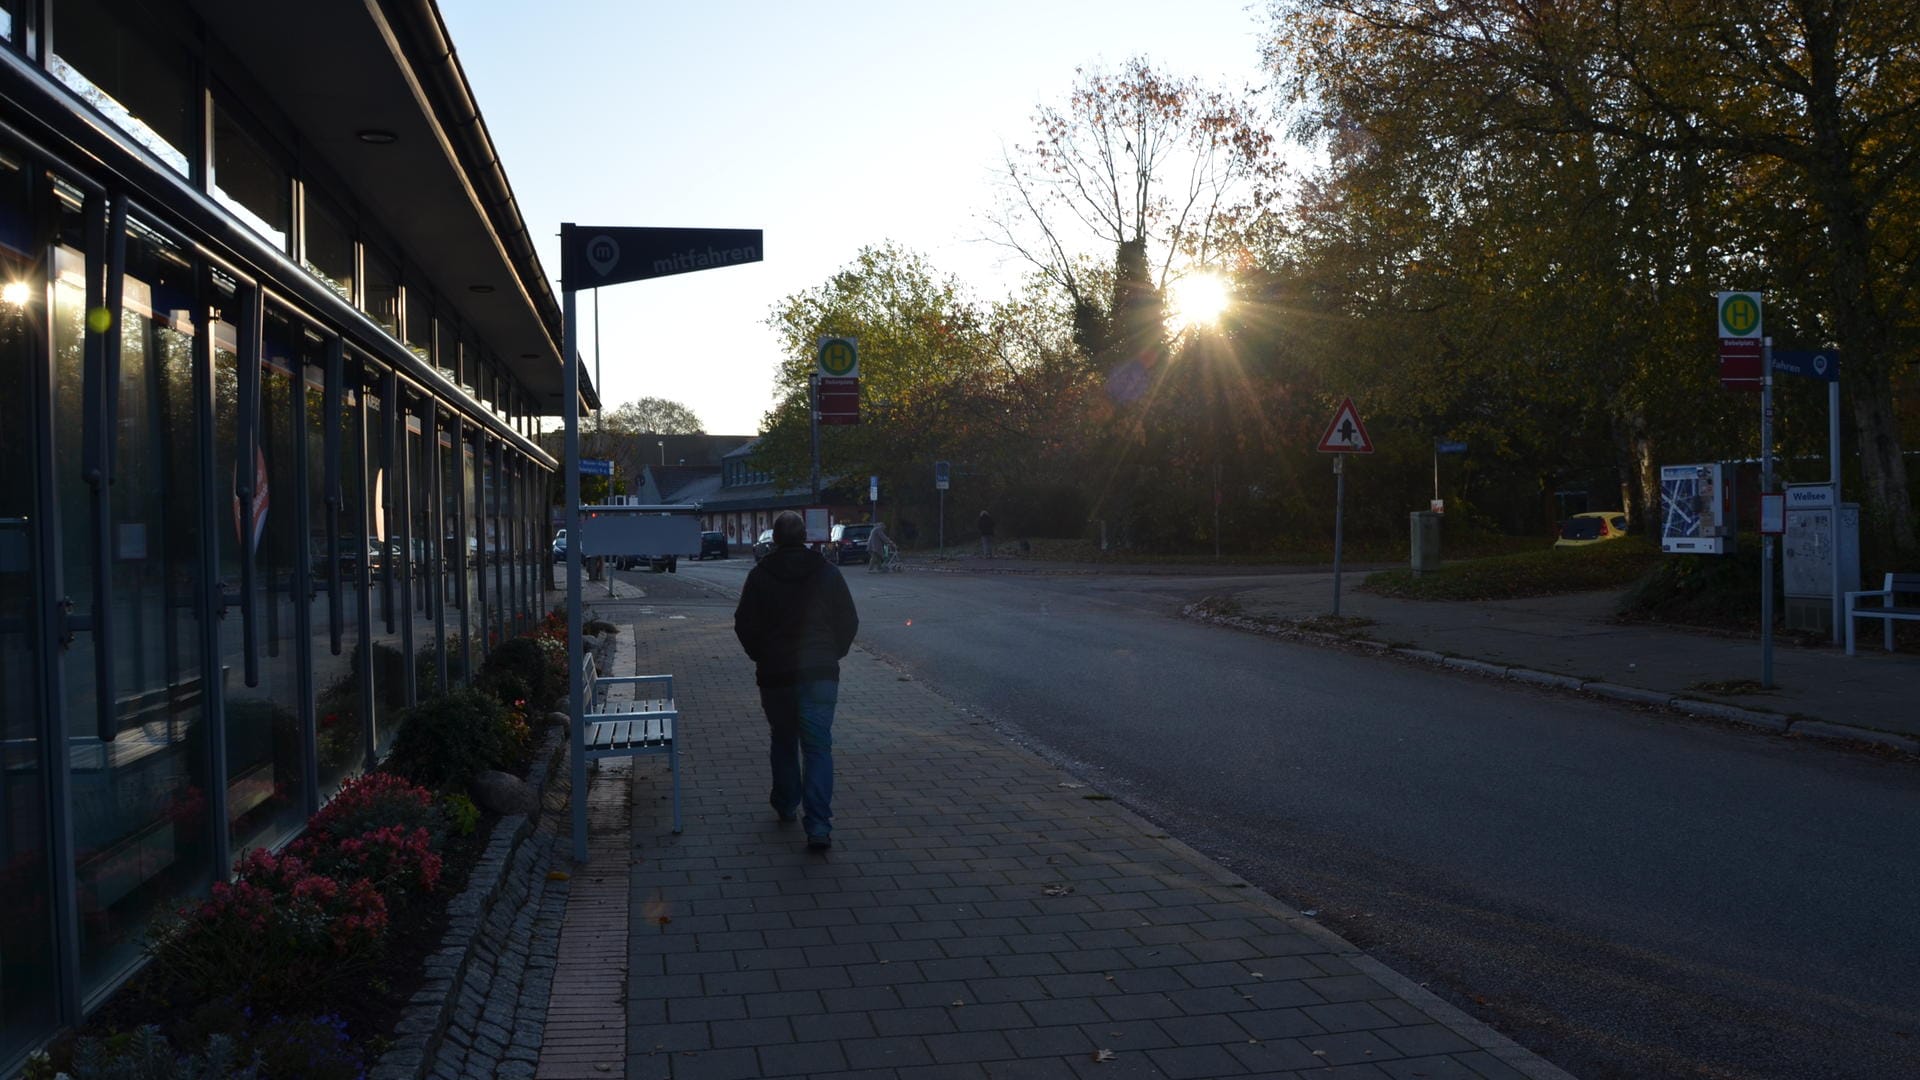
(813, 414)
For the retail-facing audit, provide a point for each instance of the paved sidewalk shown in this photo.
(982, 915)
(1868, 694)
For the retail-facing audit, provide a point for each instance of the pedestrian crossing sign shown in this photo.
(1346, 434)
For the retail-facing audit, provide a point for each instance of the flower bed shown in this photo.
(300, 965)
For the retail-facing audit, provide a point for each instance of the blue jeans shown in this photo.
(800, 721)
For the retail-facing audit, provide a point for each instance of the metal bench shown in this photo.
(631, 726)
(1896, 585)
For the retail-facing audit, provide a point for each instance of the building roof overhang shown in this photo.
(438, 188)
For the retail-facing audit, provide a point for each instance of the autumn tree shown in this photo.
(1776, 143)
(651, 416)
(925, 374)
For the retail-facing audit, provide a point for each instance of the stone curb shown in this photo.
(423, 1023)
(1820, 729)
(1774, 723)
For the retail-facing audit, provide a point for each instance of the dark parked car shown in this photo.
(848, 543)
(713, 544)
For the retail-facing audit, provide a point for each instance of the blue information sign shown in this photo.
(1449, 448)
(595, 467)
(1823, 364)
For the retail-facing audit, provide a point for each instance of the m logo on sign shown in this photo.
(603, 254)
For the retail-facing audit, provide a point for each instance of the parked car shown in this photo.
(763, 545)
(1592, 527)
(559, 546)
(713, 544)
(848, 543)
(659, 564)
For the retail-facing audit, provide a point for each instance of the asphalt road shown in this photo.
(1627, 894)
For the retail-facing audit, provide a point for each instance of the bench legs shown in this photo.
(673, 766)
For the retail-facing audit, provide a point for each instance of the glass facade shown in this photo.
(241, 530)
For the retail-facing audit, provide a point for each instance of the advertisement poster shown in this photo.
(1696, 509)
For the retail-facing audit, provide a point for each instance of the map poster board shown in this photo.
(1696, 509)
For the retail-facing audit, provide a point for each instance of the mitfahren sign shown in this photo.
(592, 255)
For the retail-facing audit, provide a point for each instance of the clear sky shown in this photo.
(831, 126)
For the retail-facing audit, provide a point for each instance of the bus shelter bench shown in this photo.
(1897, 585)
(629, 727)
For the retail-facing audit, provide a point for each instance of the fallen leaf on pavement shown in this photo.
(1103, 1055)
(1057, 890)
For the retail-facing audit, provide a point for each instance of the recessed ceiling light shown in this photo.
(480, 288)
(377, 136)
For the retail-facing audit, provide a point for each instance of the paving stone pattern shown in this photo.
(982, 915)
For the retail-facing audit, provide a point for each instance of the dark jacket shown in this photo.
(795, 618)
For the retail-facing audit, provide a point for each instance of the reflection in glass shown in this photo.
(329, 241)
(383, 291)
(248, 180)
(142, 837)
(389, 676)
(337, 715)
(26, 912)
(128, 71)
(265, 803)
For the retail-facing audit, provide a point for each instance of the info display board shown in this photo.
(1696, 509)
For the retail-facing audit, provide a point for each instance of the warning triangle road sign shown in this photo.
(1346, 434)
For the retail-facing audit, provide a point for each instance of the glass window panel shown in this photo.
(383, 291)
(329, 239)
(446, 354)
(452, 584)
(107, 53)
(389, 679)
(265, 802)
(26, 891)
(342, 745)
(419, 331)
(142, 836)
(249, 179)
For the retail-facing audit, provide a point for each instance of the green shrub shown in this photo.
(524, 669)
(445, 741)
(461, 815)
(145, 1054)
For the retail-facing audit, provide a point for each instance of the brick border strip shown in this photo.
(425, 1021)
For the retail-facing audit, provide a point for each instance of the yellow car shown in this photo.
(1592, 527)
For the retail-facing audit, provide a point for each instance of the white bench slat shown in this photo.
(631, 726)
(1887, 611)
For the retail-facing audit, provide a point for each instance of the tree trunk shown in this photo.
(1858, 322)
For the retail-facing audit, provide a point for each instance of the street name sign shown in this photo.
(1812, 364)
(1346, 434)
(596, 255)
(839, 400)
(596, 467)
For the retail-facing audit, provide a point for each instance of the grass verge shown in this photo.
(1546, 572)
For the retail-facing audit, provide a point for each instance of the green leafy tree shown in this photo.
(1770, 145)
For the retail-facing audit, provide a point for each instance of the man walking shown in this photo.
(796, 620)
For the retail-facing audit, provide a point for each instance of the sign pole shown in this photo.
(1766, 487)
(1833, 478)
(943, 519)
(813, 414)
(1339, 522)
(576, 698)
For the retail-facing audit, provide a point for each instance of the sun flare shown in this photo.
(1197, 300)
